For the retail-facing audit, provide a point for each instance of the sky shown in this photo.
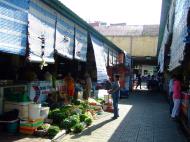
(131, 12)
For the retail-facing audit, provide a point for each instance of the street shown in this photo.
(144, 117)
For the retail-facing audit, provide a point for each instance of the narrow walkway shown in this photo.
(144, 117)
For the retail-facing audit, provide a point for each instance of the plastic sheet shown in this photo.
(80, 43)
(41, 29)
(64, 37)
(179, 33)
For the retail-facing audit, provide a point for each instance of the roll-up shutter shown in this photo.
(80, 43)
(179, 33)
(41, 31)
(13, 26)
(99, 58)
(64, 37)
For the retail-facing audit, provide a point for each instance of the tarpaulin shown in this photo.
(41, 29)
(64, 37)
(161, 54)
(110, 57)
(114, 57)
(179, 33)
(99, 58)
(13, 26)
(106, 52)
(80, 43)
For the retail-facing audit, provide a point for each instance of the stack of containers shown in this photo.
(15, 97)
(34, 119)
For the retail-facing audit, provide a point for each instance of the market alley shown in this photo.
(144, 117)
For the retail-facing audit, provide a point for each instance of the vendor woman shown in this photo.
(70, 86)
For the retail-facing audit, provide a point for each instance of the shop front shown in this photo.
(175, 43)
(39, 48)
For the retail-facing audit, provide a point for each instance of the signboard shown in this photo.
(80, 43)
(41, 29)
(39, 90)
(13, 26)
(100, 61)
(64, 37)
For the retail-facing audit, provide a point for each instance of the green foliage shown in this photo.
(78, 128)
(76, 102)
(74, 120)
(84, 106)
(53, 130)
(83, 117)
(44, 127)
(52, 113)
(88, 121)
(66, 124)
(99, 100)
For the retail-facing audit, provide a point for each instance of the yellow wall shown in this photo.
(141, 46)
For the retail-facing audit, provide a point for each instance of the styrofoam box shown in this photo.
(22, 107)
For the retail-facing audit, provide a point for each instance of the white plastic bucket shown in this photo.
(44, 112)
(34, 111)
(80, 95)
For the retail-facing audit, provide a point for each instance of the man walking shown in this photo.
(139, 80)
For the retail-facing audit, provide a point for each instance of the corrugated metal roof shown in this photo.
(129, 30)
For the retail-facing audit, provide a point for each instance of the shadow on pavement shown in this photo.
(147, 120)
(89, 130)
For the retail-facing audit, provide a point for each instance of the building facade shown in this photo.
(140, 41)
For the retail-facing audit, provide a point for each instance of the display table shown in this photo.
(185, 111)
(185, 103)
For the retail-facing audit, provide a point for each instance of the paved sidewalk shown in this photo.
(144, 117)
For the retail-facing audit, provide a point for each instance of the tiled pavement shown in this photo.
(144, 117)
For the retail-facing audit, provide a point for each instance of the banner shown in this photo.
(64, 37)
(13, 26)
(39, 90)
(100, 61)
(41, 29)
(80, 43)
